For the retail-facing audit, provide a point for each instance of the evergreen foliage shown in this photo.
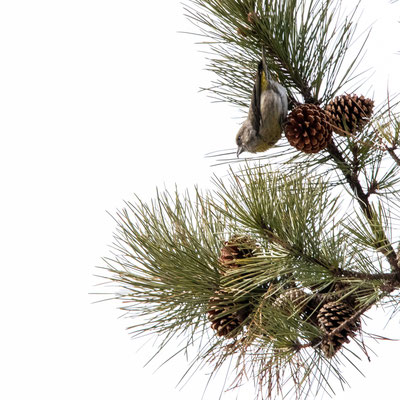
(321, 229)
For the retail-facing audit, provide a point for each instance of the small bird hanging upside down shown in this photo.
(268, 109)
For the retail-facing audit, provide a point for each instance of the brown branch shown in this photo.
(390, 150)
(369, 277)
(351, 179)
(313, 343)
(373, 188)
(363, 201)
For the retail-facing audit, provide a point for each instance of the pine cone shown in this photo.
(292, 299)
(236, 248)
(331, 316)
(308, 128)
(349, 113)
(225, 314)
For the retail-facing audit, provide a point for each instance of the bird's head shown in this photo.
(247, 138)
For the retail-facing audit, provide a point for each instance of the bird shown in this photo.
(268, 109)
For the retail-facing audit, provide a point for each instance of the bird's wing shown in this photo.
(275, 86)
(256, 98)
(282, 93)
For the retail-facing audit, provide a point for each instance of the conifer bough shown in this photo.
(267, 273)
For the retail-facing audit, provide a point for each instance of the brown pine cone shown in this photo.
(349, 113)
(236, 248)
(292, 299)
(308, 128)
(225, 314)
(330, 317)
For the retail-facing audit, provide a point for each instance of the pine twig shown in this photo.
(363, 201)
(294, 250)
(391, 277)
(391, 150)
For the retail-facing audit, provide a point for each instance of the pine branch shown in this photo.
(389, 277)
(363, 200)
(178, 261)
(306, 45)
(294, 250)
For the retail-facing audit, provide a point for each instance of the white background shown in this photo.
(99, 100)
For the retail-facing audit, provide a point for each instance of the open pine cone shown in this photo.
(330, 317)
(225, 314)
(308, 128)
(349, 113)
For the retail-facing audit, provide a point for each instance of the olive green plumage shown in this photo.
(268, 109)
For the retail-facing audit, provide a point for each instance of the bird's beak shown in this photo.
(240, 150)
